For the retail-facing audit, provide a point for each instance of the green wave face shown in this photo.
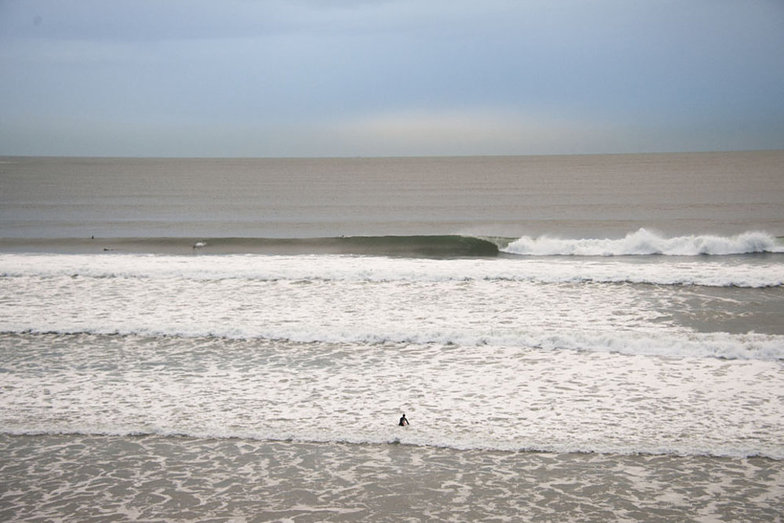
(448, 246)
(444, 246)
(427, 246)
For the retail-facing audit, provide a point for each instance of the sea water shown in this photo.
(582, 337)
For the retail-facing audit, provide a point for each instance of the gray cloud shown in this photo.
(308, 77)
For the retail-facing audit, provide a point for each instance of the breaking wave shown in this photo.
(644, 242)
(638, 243)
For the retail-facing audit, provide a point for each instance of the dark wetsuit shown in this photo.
(403, 421)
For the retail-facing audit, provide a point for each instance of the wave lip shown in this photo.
(643, 242)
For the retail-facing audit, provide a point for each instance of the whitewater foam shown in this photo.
(644, 242)
(593, 304)
(517, 398)
(741, 272)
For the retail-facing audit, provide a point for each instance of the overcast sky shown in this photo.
(398, 77)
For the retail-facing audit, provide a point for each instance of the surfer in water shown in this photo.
(403, 421)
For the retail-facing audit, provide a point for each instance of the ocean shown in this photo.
(572, 338)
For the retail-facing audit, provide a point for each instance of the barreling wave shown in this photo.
(644, 242)
(639, 243)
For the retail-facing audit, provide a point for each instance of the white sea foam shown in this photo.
(500, 398)
(550, 317)
(522, 302)
(681, 271)
(750, 346)
(644, 242)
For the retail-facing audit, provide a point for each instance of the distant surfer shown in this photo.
(403, 421)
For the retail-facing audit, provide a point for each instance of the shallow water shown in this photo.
(94, 478)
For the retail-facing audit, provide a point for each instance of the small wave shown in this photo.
(644, 242)
(414, 441)
(718, 345)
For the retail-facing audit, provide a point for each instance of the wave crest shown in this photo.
(644, 242)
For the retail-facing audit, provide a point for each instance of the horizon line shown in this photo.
(379, 157)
